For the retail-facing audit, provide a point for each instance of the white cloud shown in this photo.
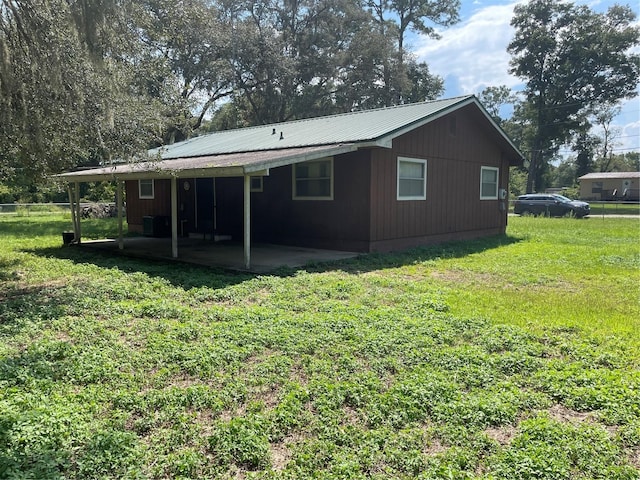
(473, 54)
(629, 124)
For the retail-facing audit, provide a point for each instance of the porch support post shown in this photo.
(247, 222)
(76, 229)
(119, 208)
(72, 209)
(174, 217)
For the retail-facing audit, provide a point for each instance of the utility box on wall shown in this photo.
(156, 226)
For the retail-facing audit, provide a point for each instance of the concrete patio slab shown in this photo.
(264, 257)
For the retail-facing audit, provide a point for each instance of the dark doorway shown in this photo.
(205, 206)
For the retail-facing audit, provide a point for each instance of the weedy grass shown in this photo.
(509, 357)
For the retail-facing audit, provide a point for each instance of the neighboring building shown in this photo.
(610, 186)
(375, 180)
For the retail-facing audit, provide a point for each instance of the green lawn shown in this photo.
(513, 357)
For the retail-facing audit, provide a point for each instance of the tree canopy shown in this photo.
(87, 82)
(574, 61)
(84, 83)
(67, 90)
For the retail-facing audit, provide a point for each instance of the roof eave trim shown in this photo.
(305, 157)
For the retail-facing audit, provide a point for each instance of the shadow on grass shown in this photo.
(21, 308)
(189, 275)
(417, 255)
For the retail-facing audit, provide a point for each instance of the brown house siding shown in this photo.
(455, 151)
(138, 208)
(341, 223)
(365, 214)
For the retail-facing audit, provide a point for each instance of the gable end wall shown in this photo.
(455, 153)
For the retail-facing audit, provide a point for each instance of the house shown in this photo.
(610, 186)
(376, 180)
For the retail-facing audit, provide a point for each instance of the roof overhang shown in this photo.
(225, 165)
(609, 176)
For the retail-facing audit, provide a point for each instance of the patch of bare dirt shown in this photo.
(280, 456)
(281, 453)
(503, 435)
(434, 447)
(634, 458)
(562, 414)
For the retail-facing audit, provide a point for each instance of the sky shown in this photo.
(472, 55)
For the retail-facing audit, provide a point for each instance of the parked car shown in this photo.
(552, 205)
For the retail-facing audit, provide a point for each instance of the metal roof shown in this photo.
(232, 164)
(256, 149)
(378, 126)
(609, 175)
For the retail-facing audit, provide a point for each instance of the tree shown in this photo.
(394, 19)
(288, 56)
(185, 59)
(66, 94)
(495, 98)
(573, 60)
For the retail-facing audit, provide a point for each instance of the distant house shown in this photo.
(610, 186)
(367, 181)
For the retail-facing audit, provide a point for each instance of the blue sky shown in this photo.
(471, 55)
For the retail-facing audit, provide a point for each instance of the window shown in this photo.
(313, 180)
(412, 179)
(488, 183)
(596, 187)
(256, 184)
(145, 189)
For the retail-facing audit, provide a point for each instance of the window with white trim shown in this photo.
(489, 183)
(146, 189)
(313, 180)
(412, 179)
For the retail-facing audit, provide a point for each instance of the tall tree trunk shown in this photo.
(534, 165)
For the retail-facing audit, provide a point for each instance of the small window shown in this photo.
(412, 179)
(313, 180)
(596, 187)
(145, 189)
(488, 183)
(256, 184)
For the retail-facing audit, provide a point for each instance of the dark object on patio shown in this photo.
(67, 238)
(156, 226)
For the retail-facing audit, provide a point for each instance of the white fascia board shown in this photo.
(281, 162)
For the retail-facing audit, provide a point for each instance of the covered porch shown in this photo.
(243, 165)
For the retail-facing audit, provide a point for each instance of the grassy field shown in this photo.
(513, 357)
